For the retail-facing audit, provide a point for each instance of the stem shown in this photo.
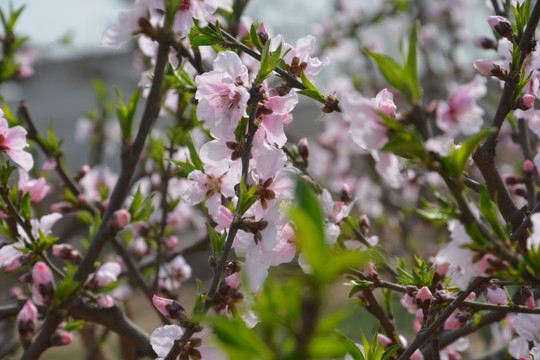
(130, 160)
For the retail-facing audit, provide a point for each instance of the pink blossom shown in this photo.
(367, 128)
(128, 24)
(38, 188)
(170, 242)
(197, 9)
(95, 181)
(299, 57)
(106, 274)
(533, 242)
(223, 94)
(12, 142)
(461, 114)
(43, 283)
(496, 295)
(527, 326)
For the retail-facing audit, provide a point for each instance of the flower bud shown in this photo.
(170, 242)
(501, 26)
(483, 42)
(43, 286)
(169, 308)
(345, 194)
(528, 297)
(496, 295)
(105, 301)
(364, 223)
(423, 298)
(61, 338)
(442, 269)
(232, 267)
(303, 150)
(26, 322)
(66, 252)
(489, 68)
(263, 35)
(119, 220)
(525, 102)
(528, 169)
(370, 271)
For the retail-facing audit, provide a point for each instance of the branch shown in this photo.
(130, 160)
(484, 157)
(115, 320)
(426, 333)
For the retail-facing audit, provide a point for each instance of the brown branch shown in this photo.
(130, 160)
(484, 157)
(115, 320)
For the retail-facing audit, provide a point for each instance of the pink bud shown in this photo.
(27, 320)
(417, 355)
(119, 220)
(442, 269)
(66, 252)
(384, 340)
(525, 102)
(15, 264)
(370, 271)
(501, 26)
(171, 242)
(452, 323)
(528, 297)
(496, 295)
(169, 308)
(424, 297)
(489, 68)
(43, 286)
(263, 34)
(139, 247)
(483, 42)
(233, 280)
(528, 168)
(49, 165)
(303, 150)
(61, 338)
(105, 301)
(42, 274)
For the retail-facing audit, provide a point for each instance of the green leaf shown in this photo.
(311, 91)
(254, 36)
(461, 155)
(390, 70)
(26, 206)
(490, 211)
(358, 285)
(193, 155)
(239, 341)
(247, 198)
(351, 347)
(411, 68)
(217, 241)
(269, 61)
